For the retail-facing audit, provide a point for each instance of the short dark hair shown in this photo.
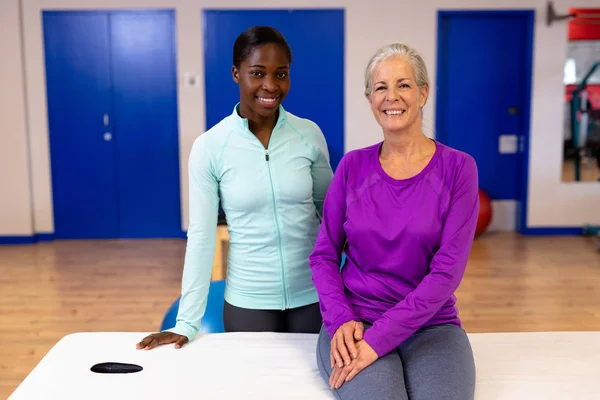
(254, 37)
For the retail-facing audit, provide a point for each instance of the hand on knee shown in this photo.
(366, 356)
(343, 348)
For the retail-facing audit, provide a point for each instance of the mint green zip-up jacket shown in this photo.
(272, 199)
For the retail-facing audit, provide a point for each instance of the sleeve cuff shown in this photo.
(377, 342)
(183, 329)
(332, 328)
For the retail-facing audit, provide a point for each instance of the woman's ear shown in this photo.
(235, 73)
(424, 95)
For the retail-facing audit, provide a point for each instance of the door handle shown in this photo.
(105, 119)
(108, 136)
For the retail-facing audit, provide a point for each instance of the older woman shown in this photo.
(404, 212)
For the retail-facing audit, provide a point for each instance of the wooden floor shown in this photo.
(588, 172)
(49, 290)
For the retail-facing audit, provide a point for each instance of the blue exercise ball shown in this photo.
(212, 321)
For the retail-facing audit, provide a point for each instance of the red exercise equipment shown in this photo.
(485, 213)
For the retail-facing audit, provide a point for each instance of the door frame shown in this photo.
(523, 154)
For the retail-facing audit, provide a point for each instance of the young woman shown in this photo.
(404, 212)
(270, 170)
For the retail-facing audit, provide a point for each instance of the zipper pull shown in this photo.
(266, 154)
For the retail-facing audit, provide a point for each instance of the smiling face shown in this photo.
(264, 81)
(396, 100)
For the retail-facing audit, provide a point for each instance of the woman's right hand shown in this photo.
(343, 348)
(157, 339)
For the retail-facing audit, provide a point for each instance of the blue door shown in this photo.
(316, 38)
(145, 122)
(483, 92)
(112, 110)
(79, 92)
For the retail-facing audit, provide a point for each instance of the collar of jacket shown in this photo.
(242, 123)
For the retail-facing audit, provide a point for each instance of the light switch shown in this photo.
(508, 144)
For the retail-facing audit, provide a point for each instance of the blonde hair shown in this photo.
(397, 50)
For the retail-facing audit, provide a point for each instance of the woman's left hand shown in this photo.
(366, 356)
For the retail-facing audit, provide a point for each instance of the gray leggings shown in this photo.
(306, 319)
(435, 363)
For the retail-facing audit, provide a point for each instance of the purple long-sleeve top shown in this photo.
(406, 242)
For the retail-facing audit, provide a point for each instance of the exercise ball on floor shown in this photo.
(212, 322)
(485, 213)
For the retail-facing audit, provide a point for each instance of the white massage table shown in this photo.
(511, 366)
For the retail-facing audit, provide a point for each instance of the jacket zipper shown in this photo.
(285, 298)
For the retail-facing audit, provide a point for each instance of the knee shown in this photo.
(323, 351)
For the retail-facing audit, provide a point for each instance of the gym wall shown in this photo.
(25, 184)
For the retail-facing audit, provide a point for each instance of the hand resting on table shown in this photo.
(156, 339)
